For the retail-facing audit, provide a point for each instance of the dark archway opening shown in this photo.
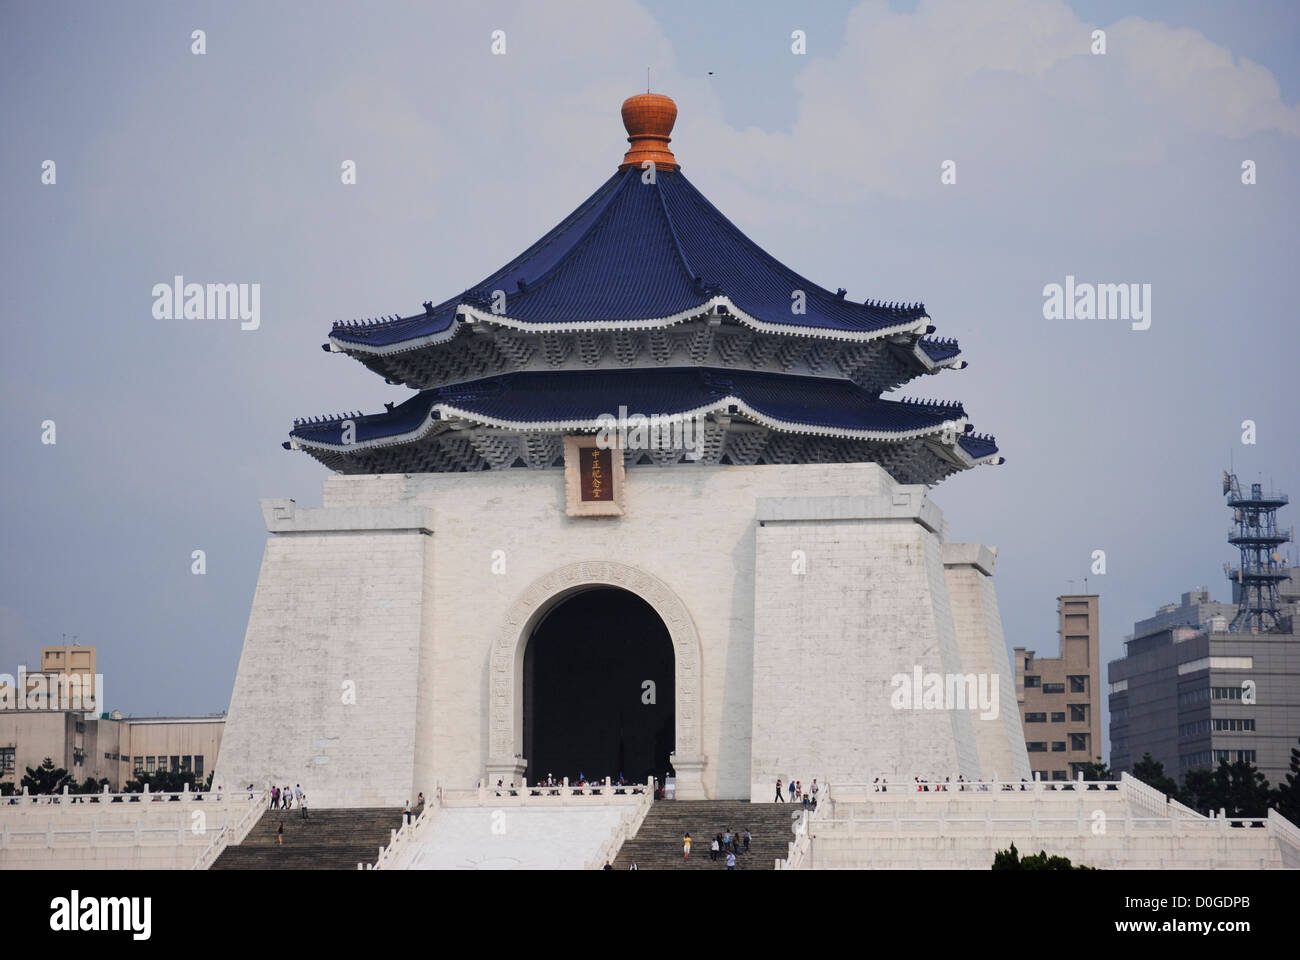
(599, 690)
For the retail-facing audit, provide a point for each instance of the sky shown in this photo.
(1122, 167)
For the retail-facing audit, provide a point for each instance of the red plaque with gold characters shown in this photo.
(596, 474)
(593, 476)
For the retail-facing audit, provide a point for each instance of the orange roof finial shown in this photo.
(649, 119)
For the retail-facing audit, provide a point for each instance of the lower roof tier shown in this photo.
(661, 416)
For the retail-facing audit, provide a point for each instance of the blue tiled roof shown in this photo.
(637, 251)
(541, 397)
(939, 349)
(978, 446)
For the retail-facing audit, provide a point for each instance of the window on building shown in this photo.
(8, 759)
(1234, 724)
(1078, 741)
(198, 765)
(1035, 718)
(185, 764)
(148, 764)
(1079, 713)
(1225, 693)
(1053, 688)
(1058, 716)
(1234, 756)
(1036, 746)
(1034, 681)
(176, 764)
(1060, 775)
(1076, 769)
(1193, 729)
(1079, 683)
(137, 764)
(1029, 663)
(81, 726)
(1058, 746)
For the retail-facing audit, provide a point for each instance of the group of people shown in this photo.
(419, 806)
(923, 785)
(798, 794)
(282, 798)
(727, 844)
(579, 786)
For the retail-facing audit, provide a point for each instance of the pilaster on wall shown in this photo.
(326, 692)
(850, 595)
(999, 736)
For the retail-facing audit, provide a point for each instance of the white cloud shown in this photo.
(975, 82)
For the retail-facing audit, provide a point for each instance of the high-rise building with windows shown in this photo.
(1191, 693)
(1204, 682)
(1058, 699)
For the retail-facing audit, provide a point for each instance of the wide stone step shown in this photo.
(331, 839)
(658, 844)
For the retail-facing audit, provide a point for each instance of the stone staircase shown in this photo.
(336, 839)
(658, 844)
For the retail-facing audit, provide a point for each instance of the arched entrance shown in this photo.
(505, 758)
(599, 689)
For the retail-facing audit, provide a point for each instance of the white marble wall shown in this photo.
(356, 590)
(326, 691)
(1000, 739)
(871, 604)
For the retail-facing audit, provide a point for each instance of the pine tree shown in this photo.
(1287, 794)
(46, 778)
(1152, 773)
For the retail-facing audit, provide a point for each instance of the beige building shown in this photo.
(178, 744)
(111, 748)
(1059, 696)
(97, 744)
(66, 680)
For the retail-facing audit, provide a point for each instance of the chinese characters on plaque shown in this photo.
(593, 478)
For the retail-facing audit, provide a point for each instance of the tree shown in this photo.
(1011, 860)
(1151, 772)
(46, 778)
(1247, 791)
(1204, 793)
(1238, 788)
(1286, 797)
(90, 786)
(1098, 771)
(165, 781)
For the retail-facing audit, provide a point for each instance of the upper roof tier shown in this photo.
(645, 250)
